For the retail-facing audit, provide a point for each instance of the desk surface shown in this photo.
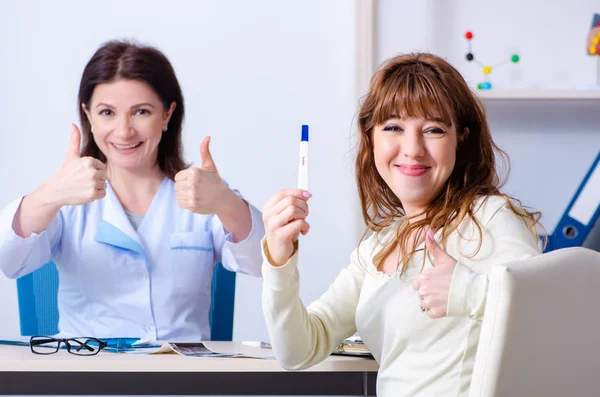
(22, 372)
(20, 358)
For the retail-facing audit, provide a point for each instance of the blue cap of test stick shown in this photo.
(305, 133)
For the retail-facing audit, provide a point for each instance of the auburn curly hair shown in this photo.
(425, 85)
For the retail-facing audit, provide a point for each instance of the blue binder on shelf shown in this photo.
(580, 224)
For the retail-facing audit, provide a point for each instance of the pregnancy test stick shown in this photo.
(303, 163)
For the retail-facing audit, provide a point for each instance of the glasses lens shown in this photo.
(44, 345)
(84, 346)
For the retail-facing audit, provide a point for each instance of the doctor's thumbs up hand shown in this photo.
(284, 217)
(433, 285)
(201, 190)
(79, 180)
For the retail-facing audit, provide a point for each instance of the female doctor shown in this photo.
(134, 233)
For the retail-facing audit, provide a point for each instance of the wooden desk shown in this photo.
(22, 372)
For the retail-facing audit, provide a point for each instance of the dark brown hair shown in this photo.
(127, 60)
(424, 85)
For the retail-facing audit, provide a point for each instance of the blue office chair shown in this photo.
(38, 309)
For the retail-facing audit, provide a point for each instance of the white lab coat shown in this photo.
(152, 284)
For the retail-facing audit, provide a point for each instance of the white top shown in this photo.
(418, 356)
(114, 281)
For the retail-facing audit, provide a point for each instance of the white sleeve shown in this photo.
(512, 240)
(303, 337)
(20, 256)
(243, 256)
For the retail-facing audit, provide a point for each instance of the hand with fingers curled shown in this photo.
(284, 217)
(79, 180)
(433, 285)
(201, 190)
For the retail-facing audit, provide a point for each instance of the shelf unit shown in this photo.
(539, 94)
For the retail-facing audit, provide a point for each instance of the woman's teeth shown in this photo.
(123, 147)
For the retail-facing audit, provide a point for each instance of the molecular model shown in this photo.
(486, 69)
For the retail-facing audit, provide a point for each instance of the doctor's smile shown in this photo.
(124, 148)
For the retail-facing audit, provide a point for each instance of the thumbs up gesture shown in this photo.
(79, 180)
(201, 190)
(433, 285)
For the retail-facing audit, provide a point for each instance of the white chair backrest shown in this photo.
(541, 331)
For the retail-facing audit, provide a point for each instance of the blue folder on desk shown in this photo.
(580, 223)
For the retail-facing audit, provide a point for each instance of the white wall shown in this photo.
(551, 144)
(252, 73)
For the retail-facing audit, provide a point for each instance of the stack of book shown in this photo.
(353, 347)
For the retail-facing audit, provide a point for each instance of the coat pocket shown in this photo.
(193, 259)
(192, 241)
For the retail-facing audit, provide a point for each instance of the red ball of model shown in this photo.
(469, 35)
